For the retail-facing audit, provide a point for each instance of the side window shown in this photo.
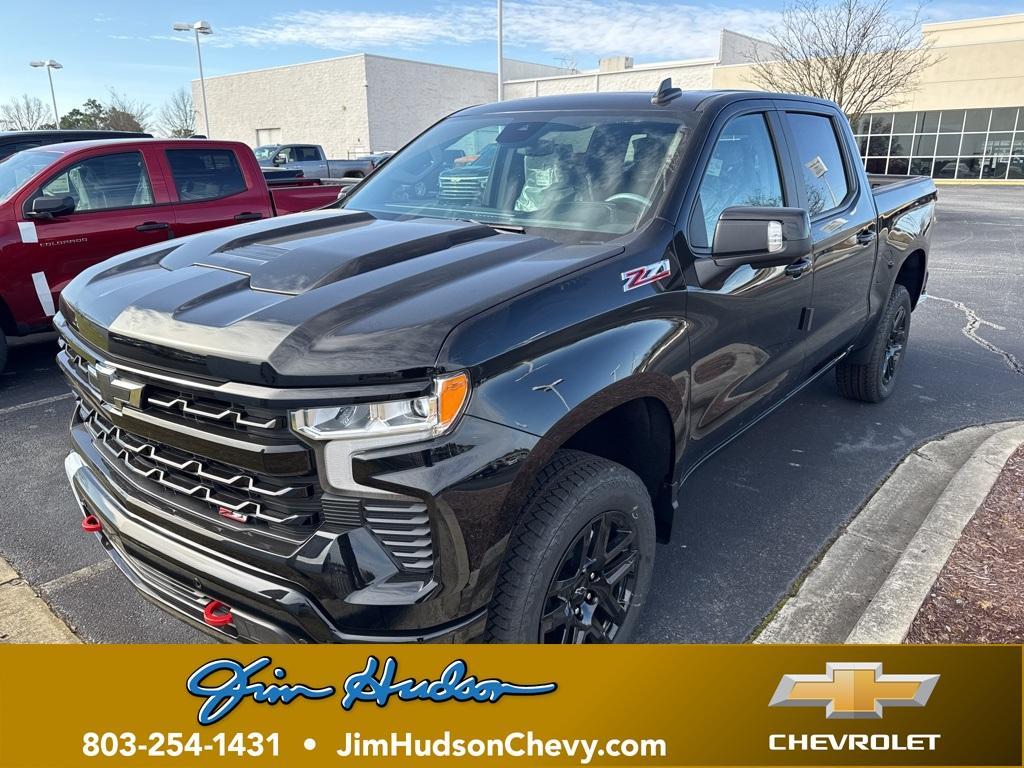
(100, 183)
(743, 170)
(307, 154)
(821, 160)
(205, 174)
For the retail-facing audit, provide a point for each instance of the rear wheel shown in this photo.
(580, 559)
(875, 380)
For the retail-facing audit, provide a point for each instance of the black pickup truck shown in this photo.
(412, 419)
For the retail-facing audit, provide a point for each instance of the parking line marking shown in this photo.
(34, 403)
(25, 617)
(87, 572)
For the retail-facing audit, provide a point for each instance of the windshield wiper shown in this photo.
(516, 228)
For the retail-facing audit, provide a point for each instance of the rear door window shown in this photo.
(103, 182)
(821, 161)
(306, 154)
(205, 174)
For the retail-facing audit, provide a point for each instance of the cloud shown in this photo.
(565, 27)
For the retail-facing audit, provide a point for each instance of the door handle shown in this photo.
(152, 226)
(248, 216)
(866, 238)
(797, 268)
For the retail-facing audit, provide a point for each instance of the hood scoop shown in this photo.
(313, 256)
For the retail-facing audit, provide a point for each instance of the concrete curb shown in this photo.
(840, 589)
(889, 615)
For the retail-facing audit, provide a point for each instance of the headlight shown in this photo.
(419, 417)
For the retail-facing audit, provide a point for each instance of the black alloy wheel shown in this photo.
(593, 588)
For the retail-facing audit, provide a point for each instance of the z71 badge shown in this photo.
(652, 273)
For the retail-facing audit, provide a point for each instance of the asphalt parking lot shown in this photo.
(753, 517)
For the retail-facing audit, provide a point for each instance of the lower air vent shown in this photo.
(402, 528)
(342, 513)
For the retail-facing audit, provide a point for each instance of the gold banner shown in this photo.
(65, 706)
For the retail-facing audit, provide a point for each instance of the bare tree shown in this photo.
(858, 53)
(24, 113)
(178, 115)
(126, 114)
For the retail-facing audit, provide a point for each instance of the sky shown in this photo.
(129, 46)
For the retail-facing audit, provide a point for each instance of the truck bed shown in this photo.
(895, 193)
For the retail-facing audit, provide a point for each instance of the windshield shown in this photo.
(582, 176)
(22, 166)
(266, 152)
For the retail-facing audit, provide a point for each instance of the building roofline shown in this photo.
(981, 21)
(636, 68)
(370, 56)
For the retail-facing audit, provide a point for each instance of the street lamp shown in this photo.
(199, 28)
(50, 65)
(501, 56)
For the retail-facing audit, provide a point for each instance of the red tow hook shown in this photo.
(216, 614)
(91, 524)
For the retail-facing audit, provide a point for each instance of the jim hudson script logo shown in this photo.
(853, 691)
(376, 682)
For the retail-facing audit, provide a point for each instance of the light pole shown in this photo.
(199, 28)
(50, 65)
(501, 57)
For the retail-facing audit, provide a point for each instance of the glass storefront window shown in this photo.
(1004, 119)
(899, 166)
(977, 120)
(952, 121)
(901, 145)
(972, 144)
(968, 143)
(998, 143)
(904, 122)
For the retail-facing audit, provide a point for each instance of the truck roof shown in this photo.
(689, 101)
(76, 146)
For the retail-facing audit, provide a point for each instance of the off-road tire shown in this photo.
(870, 382)
(572, 491)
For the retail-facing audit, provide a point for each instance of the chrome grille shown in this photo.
(220, 486)
(460, 188)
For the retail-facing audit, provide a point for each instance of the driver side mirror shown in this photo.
(46, 208)
(761, 237)
(279, 159)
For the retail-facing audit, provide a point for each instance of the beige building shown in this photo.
(963, 120)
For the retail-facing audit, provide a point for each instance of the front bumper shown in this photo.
(182, 579)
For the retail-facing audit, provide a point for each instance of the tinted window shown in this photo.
(743, 170)
(205, 174)
(306, 154)
(817, 149)
(99, 183)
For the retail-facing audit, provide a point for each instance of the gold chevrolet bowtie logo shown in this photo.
(853, 690)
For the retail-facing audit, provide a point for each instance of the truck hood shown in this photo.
(312, 298)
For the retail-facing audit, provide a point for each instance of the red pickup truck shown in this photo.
(65, 207)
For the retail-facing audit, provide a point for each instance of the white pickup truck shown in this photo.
(311, 160)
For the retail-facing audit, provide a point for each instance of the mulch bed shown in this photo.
(979, 595)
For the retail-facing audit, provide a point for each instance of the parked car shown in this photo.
(65, 207)
(407, 420)
(15, 141)
(311, 160)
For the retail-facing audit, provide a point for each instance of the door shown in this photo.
(843, 226)
(746, 341)
(211, 189)
(310, 159)
(116, 209)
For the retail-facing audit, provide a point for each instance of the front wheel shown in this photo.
(875, 380)
(580, 559)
